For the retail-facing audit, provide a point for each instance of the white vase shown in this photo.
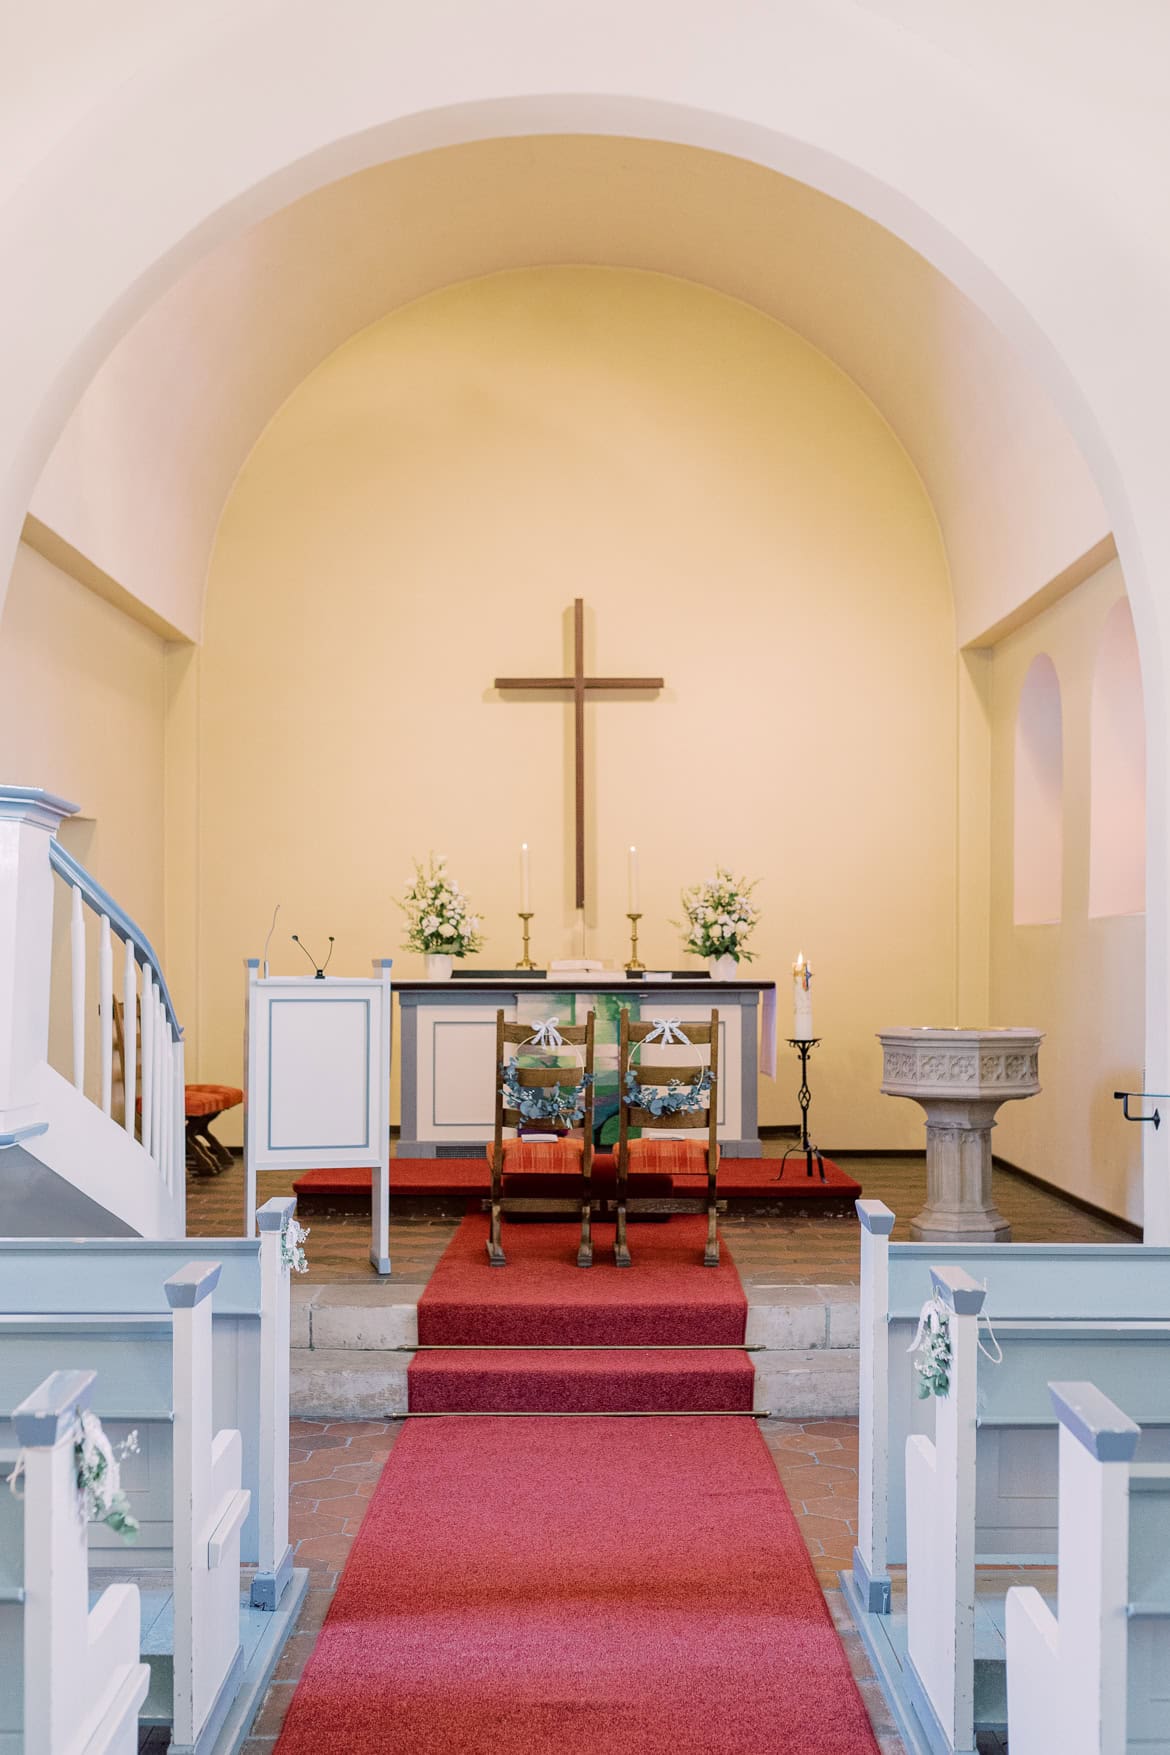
(438, 965)
(724, 968)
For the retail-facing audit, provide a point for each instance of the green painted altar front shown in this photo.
(448, 1045)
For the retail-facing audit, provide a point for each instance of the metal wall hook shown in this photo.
(1123, 1098)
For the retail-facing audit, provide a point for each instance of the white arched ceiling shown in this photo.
(139, 477)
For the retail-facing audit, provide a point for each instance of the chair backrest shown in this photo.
(556, 1070)
(633, 1035)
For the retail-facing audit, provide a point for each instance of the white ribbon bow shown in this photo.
(666, 1031)
(546, 1034)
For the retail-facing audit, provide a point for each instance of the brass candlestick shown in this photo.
(633, 962)
(526, 961)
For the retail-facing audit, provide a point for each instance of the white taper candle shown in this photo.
(802, 1026)
(525, 887)
(634, 906)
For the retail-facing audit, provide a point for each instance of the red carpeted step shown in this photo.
(597, 1382)
(542, 1298)
(628, 1587)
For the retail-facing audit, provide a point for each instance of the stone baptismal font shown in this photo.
(960, 1077)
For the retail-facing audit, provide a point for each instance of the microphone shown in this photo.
(319, 972)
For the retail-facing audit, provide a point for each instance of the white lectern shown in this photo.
(317, 1084)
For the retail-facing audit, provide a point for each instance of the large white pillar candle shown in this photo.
(525, 892)
(634, 904)
(802, 1026)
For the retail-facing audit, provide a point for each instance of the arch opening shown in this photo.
(1038, 839)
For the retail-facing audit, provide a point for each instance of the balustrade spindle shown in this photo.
(129, 1038)
(160, 1083)
(106, 1013)
(77, 947)
(147, 1012)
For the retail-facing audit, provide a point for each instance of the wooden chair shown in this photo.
(687, 1157)
(206, 1155)
(519, 1156)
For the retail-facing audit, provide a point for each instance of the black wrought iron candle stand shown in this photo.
(811, 1154)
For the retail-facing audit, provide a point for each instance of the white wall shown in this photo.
(1080, 979)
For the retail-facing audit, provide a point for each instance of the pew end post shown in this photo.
(210, 1506)
(871, 1577)
(275, 1553)
(83, 1681)
(1067, 1674)
(940, 1535)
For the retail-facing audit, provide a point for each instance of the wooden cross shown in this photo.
(578, 683)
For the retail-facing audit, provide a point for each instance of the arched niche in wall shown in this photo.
(1117, 809)
(1039, 797)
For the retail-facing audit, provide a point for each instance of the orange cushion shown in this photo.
(676, 1157)
(525, 1155)
(211, 1099)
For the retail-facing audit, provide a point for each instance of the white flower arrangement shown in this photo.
(292, 1246)
(932, 1344)
(100, 1498)
(720, 916)
(439, 917)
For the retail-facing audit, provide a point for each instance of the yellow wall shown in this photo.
(83, 706)
(83, 712)
(739, 519)
(1082, 981)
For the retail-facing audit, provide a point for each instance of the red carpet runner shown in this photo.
(591, 1586)
(740, 1179)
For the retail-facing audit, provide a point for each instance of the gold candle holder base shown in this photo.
(526, 961)
(633, 962)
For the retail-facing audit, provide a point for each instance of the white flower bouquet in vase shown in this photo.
(721, 917)
(440, 922)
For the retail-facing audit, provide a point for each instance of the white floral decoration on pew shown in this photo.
(932, 1343)
(98, 1474)
(292, 1246)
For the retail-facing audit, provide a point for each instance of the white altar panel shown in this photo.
(456, 1071)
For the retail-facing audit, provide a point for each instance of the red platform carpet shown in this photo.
(740, 1179)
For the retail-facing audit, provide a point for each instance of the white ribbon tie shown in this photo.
(546, 1034)
(667, 1031)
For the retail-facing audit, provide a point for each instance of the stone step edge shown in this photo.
(358, 1318)
(346, 1383)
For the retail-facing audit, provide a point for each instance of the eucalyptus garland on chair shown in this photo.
(679, 1097)
(554, 1105)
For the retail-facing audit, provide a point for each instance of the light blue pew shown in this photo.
(1093, 1676)
(100, 1304)
(1059, 1311)
(70, 1678)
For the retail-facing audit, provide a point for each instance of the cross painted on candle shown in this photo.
(802, 1030)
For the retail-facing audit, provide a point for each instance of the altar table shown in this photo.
(448, 1048)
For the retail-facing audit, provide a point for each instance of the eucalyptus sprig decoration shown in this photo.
(439, 916)
(678, 1097)
(557, 1105)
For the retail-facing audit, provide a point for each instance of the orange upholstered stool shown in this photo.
(202, 1103)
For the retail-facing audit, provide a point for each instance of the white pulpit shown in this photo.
(317, 1084)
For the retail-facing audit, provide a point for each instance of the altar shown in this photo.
(448, 1047)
